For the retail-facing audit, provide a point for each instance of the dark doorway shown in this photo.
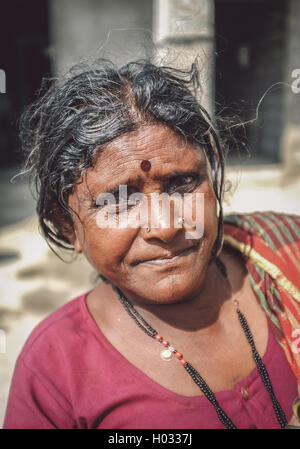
(24, 58)
(250, 47)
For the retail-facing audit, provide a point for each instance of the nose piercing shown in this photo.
(180, 220)
(148, 229)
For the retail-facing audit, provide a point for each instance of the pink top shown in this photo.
(68, 375)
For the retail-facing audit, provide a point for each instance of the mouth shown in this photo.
(170, 258)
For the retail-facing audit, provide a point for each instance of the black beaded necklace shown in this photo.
(169, 351)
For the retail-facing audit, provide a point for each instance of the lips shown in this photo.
(169, 257)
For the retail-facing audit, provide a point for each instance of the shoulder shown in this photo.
(272, 241)
(276, 229)
(60, 329)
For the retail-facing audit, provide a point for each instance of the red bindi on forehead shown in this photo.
(145, 165)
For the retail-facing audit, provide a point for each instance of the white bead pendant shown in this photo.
(167, 354)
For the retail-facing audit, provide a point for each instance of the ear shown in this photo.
(65, 226)
(77, 244)
(71, 234)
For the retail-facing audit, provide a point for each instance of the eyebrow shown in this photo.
(131, 181)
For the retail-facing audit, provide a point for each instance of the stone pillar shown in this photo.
(290, 143)
(2, 82)
(184, 30)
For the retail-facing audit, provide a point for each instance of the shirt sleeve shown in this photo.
(34, 404)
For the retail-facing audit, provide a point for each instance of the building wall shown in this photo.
(293, 59)
(182, 30)
(24, 60)
(117, 29)
(290, 141)
(271, 78)
(250, 75)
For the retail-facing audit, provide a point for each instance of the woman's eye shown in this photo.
(184, 182)
(187, 179)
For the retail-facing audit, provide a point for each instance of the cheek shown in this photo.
(106, 248)
(210, 217)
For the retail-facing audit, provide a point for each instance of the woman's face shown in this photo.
(135, 259)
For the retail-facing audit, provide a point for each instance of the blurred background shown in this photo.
(247, 52)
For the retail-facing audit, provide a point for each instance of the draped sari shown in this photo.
(270, 244)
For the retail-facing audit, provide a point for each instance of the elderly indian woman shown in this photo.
(195, 322)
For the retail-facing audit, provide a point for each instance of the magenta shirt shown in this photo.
(68, 375)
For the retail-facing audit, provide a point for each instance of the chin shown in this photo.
(171, 289)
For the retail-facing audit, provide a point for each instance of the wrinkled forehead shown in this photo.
(119, 162)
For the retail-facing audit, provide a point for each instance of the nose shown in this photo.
(162, 225)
